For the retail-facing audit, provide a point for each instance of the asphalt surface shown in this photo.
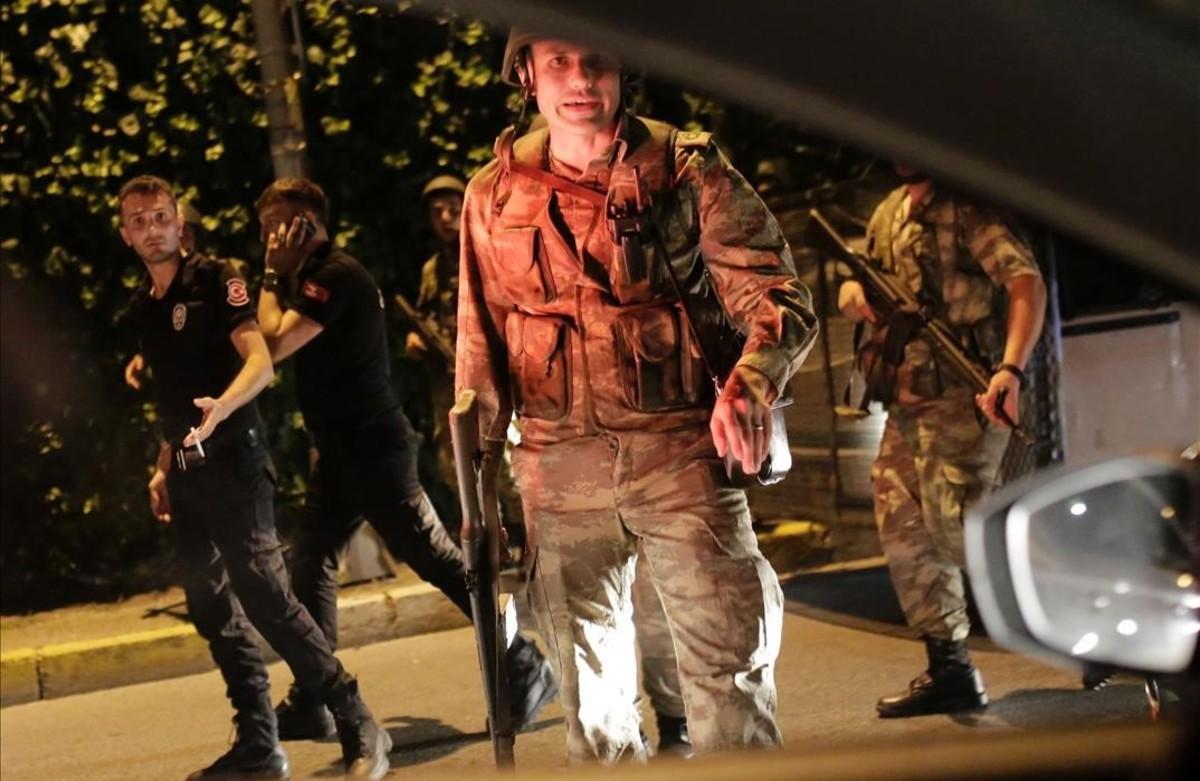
(841, 651)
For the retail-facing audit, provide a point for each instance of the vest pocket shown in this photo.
(659, 363)
(539, 365)
(522, 267)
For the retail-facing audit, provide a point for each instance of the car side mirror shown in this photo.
(1099, 563)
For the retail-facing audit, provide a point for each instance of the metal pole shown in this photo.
(835, 481)
(281, 90)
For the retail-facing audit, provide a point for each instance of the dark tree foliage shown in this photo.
(93, 92)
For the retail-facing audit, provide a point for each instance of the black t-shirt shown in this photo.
(342, 375)
(185, 339)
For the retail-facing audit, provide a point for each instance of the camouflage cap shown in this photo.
(446, 183)
(518, 39)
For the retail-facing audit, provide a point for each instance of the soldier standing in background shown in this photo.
(621, 437)
(437, 306)
(938, 457)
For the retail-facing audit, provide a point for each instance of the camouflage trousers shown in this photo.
(656, 649)
(590, 504)
(935, 461)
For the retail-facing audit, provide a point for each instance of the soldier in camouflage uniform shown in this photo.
(938, 456)
(438, 298)
(621, 437)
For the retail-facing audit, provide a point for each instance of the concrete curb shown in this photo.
(46, 672)
(50, 671)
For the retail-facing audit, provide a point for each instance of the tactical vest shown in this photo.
(656, 359)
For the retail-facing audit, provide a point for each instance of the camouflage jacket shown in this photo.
(438, 295)
(955, 256)
(554, 326)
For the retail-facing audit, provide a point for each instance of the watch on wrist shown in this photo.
(270, 280)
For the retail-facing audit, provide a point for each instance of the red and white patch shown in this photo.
(315, 292)
(235, 293)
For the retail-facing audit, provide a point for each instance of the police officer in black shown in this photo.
(214, 483)
(321, 304)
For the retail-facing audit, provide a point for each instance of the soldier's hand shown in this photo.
(1004, 385)
(160, 503)
(133, 371)
(214, 413)
(852, 302)
(414, 345)
(741, 419)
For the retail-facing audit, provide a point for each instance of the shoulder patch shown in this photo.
(315, 292)
(235, 292)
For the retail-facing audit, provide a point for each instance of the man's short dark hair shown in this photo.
(146, 185)
(301, 192)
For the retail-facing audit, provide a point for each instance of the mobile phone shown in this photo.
(307, 230)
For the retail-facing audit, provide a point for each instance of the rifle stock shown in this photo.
(890, 296)
(482, 545)
(429, 331)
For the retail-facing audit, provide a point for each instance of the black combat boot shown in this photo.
(673, 737)
(951, 684)
(302, 716)
(256, 752)
(1097, 676)
(531, 684)
(365, 745)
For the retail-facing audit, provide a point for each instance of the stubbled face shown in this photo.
(445, 209)
(577, 89)
(276, 214)
(151, 225)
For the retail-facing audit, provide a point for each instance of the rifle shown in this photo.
(899, 307)
(428, 328)
(482, 545)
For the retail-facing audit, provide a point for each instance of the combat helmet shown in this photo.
(443, 183)
(518, 39)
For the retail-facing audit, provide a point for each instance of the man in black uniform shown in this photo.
(214, 483)
(335, 324)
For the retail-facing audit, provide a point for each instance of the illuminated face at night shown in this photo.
(577, 89)
(151, 225)
(445, 209)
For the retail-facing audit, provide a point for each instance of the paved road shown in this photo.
(840, 652)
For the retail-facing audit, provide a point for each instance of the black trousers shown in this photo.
(370, 472)
(224, 523)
